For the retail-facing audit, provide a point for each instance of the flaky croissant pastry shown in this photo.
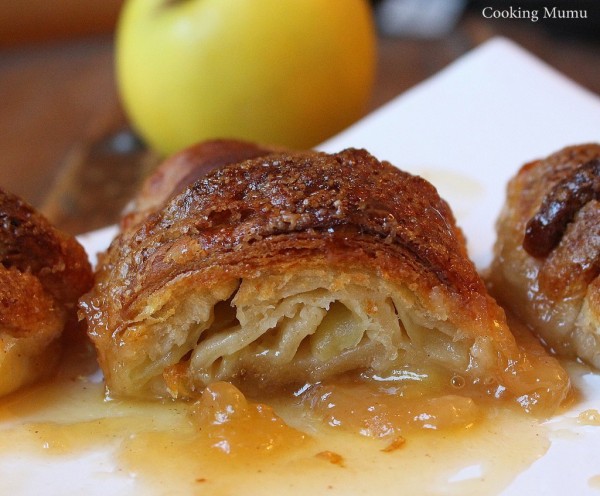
(43, 272)
(294, 268)
(547, 254)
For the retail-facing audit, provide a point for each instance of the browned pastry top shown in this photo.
(177, 172)
(345, 208)
(36, 258)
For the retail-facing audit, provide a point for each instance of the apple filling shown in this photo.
(235, 426)
(279, 331)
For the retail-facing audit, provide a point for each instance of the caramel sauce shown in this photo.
(226, 444)
(463, 190)
(331, 457)
(383, 411)
(228, 422)
(594, 482)
(589, 417)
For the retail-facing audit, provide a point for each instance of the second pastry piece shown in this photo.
(297, 267)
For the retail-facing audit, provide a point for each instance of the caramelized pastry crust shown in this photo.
(547, 255)
(184, 168)
(293, 268)
(43, 272)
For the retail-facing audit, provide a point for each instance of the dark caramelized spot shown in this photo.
(211, 155)
(546, 228)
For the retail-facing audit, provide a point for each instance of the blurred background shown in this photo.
(67, 147)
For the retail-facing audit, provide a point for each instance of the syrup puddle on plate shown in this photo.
(64, 437)
(460, 190)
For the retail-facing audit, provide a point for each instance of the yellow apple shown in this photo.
(288, 72)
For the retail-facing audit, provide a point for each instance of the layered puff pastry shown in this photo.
(547, 253)
(293, 268)
(43, 272)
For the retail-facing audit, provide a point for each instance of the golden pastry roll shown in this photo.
(43, 272)
(297, 267)
(547, 254)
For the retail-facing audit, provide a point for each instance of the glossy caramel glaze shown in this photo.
(176, 173)
(342, 208)
(547, 255)
(43, 272)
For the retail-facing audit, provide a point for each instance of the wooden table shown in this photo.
(66, 146)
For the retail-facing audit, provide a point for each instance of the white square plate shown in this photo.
(467, 129)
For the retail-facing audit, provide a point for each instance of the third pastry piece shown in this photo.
(547, 255)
